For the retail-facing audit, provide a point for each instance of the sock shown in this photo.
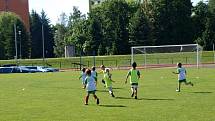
(86, 99)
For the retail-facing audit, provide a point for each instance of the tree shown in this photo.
(37, 21)
(48, 35)
(115, 19)
(139, 30)
(36, 35)
(60, 35)
(7, 44)
(77, 30)
(211, 4)
(59, 39)
(94, 30)
(170, 21)
(208, 37)
(199, 18)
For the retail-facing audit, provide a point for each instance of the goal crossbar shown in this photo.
(164, 46)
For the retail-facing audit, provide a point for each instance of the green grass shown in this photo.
(119, 60)
(59, 97)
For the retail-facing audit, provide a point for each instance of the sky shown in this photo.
(54, 8)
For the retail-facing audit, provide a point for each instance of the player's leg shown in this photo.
(83, 84)
(135, 92)
(96, 98)
(87, 98)
(188, 83)
(132, 91)
(179, 87)
(111, 91)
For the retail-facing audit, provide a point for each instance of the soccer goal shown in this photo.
(167, 55)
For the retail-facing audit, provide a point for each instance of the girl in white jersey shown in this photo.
(90, 84)
(181, 77)
(83, 76)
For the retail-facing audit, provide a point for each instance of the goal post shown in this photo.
(167, 55)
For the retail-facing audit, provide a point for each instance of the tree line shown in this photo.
(112, 27)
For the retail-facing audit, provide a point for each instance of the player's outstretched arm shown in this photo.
(175, 72)
(126, 80)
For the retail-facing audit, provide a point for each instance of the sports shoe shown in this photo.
(85, 104)
(112, 95)
(97, 101)
(177, 90)
(191, 84)
(135, 97)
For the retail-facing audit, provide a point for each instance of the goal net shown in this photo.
(167, 55)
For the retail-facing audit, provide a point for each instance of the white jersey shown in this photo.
(181, 73)
(91, 84)
(83, 76)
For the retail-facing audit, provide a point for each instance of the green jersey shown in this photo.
(134, 76)
(108, 80)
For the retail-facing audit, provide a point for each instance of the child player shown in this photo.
(83, 76)
(134, 79)
(102, 71)
(90, 87)
(108, 81)
(181, 77)
(94, 73)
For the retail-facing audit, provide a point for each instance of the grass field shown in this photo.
(59, 97)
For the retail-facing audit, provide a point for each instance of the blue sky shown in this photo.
(54, 8)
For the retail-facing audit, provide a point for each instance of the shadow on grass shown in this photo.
(202, 92)
(102, 90)
(155, 99)
(117, 88)
(123, 98)
(159, 99)
(117, 106)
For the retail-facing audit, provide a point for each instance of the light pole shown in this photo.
(43, 41)
(15, 39)
(20, 45)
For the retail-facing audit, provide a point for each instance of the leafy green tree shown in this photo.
(101, 50)
(48, 35)
(77, 30)
(139, 30)
(7, 36)
(170, 21)
(36, 35)
(208, 37)
(37, 21)
(114, 49)
(60, 35)
(59, 39)
(115, 20)
(94, 32)
(199, 18)
(211, 4)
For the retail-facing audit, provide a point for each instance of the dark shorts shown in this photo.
(91, 92)
(184, 80)
(134, 85)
